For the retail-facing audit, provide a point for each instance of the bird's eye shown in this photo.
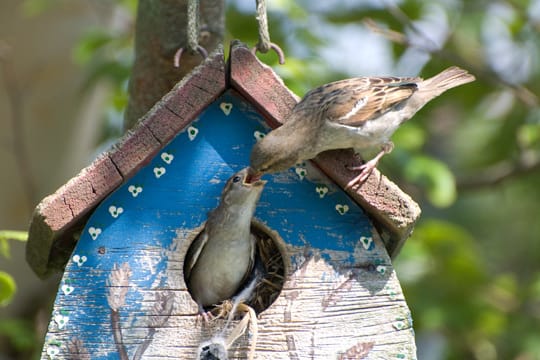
(236, 179)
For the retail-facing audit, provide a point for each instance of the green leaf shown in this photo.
(4, 248)
(14, 235)
(452, 245)
(119, 99)
(114, 71)
(529, 135)
(492, 322)
(35, 7)
(89, 44)
(7, 288)
(6, 235)
(20, 334)
(130, 5)
(410, 136)
(439, 181)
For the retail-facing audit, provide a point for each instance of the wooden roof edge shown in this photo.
(384, 201)
(259, 84)
(58, 218)
(392, 209)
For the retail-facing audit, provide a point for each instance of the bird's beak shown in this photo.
(254, 178)
(254, 182)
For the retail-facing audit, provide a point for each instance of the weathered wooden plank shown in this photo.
(134, 150)
(259, 84)
(394, 210)
(191, 95)
(163, 123)
(123, 293)
(62, 209)
(188, 98)
(60, 216)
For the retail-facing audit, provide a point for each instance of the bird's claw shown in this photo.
(365, 171)
(205, 317)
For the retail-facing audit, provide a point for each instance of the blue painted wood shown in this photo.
(139, 221)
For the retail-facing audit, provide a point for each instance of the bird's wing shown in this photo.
(194, 252)
(252, 255)
(353, 101)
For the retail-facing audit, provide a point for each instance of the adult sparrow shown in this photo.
(221, 257)
(359, 113)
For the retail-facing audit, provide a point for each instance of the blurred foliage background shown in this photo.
(471, 158)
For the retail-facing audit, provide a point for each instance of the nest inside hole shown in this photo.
(272, 255)
(269, 272)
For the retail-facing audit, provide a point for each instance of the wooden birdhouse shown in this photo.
(121, 228)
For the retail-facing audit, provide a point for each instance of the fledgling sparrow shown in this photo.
(221, 257)
(359, 113)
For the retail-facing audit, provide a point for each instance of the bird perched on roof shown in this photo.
(221, 257)
(359, 113)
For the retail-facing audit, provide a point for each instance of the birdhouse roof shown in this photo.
(59, 218)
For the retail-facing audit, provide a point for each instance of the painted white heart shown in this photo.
(115, 211)
(322, 191)
(94, 232)
(61, 320)
(226, 108)
(399, 325)
(53, 350)
(168, 158)
(258, 135)
(67, 289)
(366, 242)
(79, 259)
(134, 190)
(301, 172)
(159, 171)
(342, 209)
(192, 132)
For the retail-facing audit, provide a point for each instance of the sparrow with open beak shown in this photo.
(221, 257)
(359, 113)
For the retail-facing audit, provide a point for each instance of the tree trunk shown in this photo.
(160, 31)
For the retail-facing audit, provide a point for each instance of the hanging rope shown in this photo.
(193, 25)
(264, 44)
(192, 33)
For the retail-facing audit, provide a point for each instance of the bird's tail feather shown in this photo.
(447, 79)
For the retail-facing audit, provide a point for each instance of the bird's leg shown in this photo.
(367, 168)
(204, 316)
(224, 309)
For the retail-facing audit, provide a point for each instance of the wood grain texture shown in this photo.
(392, 208)
(58, 218)
(258, 83)
(123, 293)
(61, 211)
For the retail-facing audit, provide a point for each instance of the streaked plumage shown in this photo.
(359, 113)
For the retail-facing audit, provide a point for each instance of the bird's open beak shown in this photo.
(254, 178)
(252, 182)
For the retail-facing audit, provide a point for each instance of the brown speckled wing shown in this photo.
(353, 101)
(194, 252)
